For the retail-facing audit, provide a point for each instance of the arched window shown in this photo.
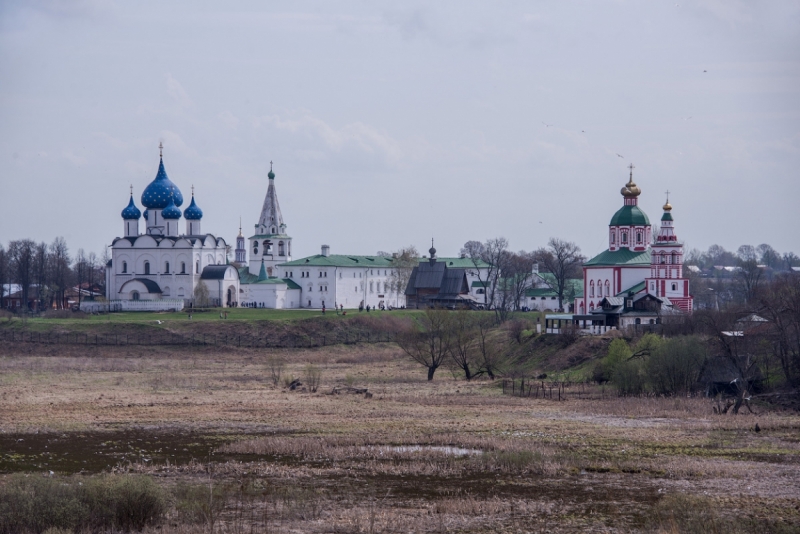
(613, 238)
(165, 292)
(624, 237)
(134, 295)
(674, 287)
(183, 267)
(197, 267)
(638, 237)
(638, 321)
(147, 267)
(371, 287)
(608, 289)
(280, 248)
(591, 288)
(124, 266)
(166, 267)
(675, 258)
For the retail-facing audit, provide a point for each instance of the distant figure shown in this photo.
(367, 308)
(323, 309)
(226, 314)
(190, 316)
(341, 307)
(220, 315)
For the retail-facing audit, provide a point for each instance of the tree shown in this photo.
(790, 259)
(403, 262)
(491, 257)
(80, 272)
(674, 366)
(464, 347)
(490, 352)
(747, 253)
(59, 269)
(768, 256)
(91, 272)
(21, 259)
(201, 296)
(429, 341)
(748, 277)
(40, 274)
(779, 303)
(519, 275)
(563, 260)
(719, 256)
(3, 273)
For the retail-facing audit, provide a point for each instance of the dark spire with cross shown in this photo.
(160, 149)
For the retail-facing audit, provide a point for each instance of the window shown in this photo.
(638, 237)
(134, 295)
(183, 267)
(147, 267)
(280, 249)
(613, 238)
(371, 287)
(624, 237)
(591, 288)
(608, 289)
(197, 267)
(326, 274)
(166, 267)
(674, 287)
(124, 266)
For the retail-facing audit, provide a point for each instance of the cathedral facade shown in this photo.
(161, 267)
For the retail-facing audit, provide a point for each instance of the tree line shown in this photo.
(46, 273)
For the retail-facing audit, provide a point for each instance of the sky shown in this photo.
(391, 123)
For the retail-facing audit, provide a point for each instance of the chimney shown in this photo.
(326, 250)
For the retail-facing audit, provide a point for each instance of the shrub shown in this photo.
(313, 375)
(675, 366)
(35, 504)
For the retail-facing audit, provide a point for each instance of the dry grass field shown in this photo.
(235, 452)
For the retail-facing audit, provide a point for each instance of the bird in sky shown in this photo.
(620, 155)
(705, 71)
(548, 125)
(583, 131)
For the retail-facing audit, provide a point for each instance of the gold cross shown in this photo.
(668, 196)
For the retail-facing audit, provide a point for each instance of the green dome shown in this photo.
(630, 216)
(667, 216)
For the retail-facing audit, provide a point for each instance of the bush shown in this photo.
(313, 375)
(34, 504)
(675, 366)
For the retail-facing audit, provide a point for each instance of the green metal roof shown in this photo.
(622, 256)
(629, 216)
(339, 260)
(667, 216)
(478, 283)
(245, 277)
(638, 287)
(575, 283)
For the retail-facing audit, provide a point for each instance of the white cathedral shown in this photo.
(161, 268)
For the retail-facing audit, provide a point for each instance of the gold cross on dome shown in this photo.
(667, 195)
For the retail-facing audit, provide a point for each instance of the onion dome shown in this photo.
(131, 211)
(171, 211)
(193, 213)
(157, 194)
(146, 213)
(667, 211)
(631, 190)
(630, 216)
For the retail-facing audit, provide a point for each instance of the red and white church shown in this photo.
(638, 278)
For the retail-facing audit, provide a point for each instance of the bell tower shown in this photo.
(666, 265)
(270, 243)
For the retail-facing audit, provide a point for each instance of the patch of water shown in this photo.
(444, 449)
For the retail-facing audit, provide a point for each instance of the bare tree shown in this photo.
(747, 253)
(768, 256)
(21, 258)
(430, 341)
(59, 269)
(80, 272)
(403, 262)
(40, 274)
(4, 274)
(490, 257)
(489, 349)
(518, 276)
(563, 260)
(780, 305)
(748, 278)
(464, 348)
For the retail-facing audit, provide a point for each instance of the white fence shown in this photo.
(90, 306)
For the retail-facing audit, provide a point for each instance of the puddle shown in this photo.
(448, 450)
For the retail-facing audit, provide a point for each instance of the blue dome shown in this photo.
(171, 211)
(146, 213)
(193, 213)
(131, 212)
(157, 194)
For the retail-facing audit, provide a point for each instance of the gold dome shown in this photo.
(667, 206)
(631, 190)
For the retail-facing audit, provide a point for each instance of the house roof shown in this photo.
(637, 288)
(340, 260)
(463, 263)
(622, 256)
(214, 272)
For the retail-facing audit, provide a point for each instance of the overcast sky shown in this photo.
(391, 123)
